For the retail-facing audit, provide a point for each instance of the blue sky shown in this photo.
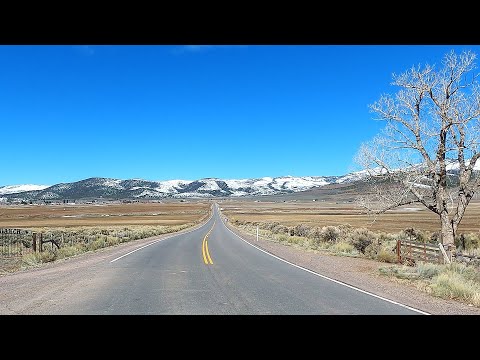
(166, 112)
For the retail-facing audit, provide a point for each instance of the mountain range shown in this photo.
(116, 189)
(107, 188)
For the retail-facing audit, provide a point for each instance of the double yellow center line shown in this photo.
(206, 255)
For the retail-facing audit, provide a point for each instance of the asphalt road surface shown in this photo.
(208, 270)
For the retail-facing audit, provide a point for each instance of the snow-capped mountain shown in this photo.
(13, 189)
(453, 165)
(107, 188)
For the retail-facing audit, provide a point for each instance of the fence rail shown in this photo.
(468, 259)
(411, 251)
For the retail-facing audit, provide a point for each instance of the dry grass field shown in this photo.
(68, 215)
(320, 213)
(324, 213)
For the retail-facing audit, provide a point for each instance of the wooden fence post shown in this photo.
(445, 256)
(41, 242)
(34, 242)
(399, 256)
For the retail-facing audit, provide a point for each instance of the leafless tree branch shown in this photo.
(429, 148)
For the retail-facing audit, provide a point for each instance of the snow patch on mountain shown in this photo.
(147, 193)
(63, 186)
(48, 195)
(454, 165)
(13, 189)
(171, 186)
(114, 183)
(209, 185)
(297, 184)
(191, 195)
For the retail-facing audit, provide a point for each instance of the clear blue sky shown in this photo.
(187, 112)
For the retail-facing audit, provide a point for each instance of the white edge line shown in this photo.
(326, 277)
(156, 241)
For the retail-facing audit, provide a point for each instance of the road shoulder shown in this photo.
(363, 274)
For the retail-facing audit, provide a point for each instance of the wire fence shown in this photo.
(70, 238)
(15, 242)
(19, 242)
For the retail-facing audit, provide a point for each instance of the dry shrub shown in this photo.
(452, 285)
(345, 229)
(467, 241)
(275, 227)
(69, 251)
(315, 233)
(360, 238)
(283, 238)
(387, 256)
(331, 234)
(413, 234)
(33, 259)
(343, 247)
(301, 230)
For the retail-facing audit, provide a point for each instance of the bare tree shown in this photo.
(429, 148)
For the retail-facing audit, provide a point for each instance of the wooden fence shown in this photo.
(408, 252)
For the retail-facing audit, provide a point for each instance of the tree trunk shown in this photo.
(448, 235)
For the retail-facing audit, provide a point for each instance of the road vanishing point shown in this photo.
(208, 270)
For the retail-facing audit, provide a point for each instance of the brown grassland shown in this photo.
(320, 213)
(324, 213)
(51, 216)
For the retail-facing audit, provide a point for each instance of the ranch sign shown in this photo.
(14, 231)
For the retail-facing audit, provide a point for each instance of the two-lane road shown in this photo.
(209, 270)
